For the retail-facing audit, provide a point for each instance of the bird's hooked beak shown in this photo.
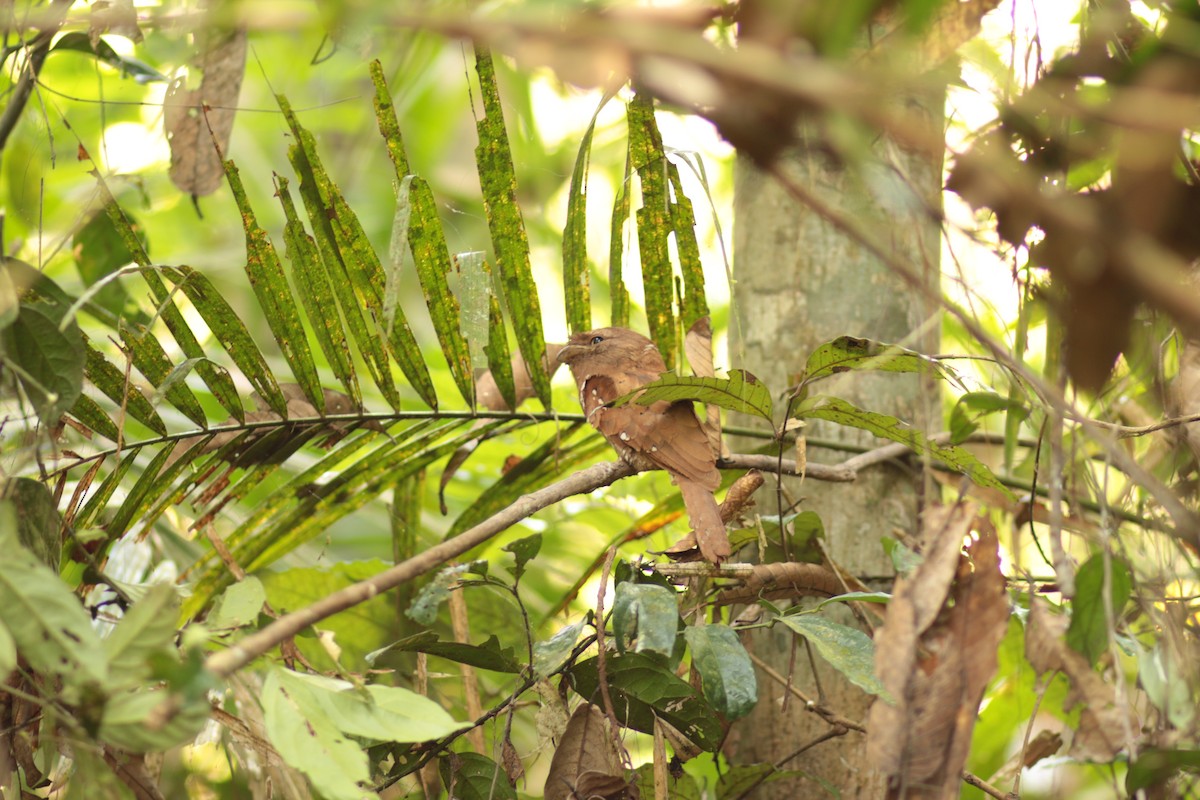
(571, 350)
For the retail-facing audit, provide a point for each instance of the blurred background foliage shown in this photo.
(101, 108)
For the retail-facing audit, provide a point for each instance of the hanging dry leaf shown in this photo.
(585, 763)
(936, 657)
(1105, 722)
(199, 121)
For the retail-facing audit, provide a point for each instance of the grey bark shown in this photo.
(799, 283)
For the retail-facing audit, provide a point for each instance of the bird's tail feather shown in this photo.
(705, 516)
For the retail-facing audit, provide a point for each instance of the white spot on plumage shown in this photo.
(624, 436)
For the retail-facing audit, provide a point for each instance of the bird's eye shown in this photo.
(597, 339)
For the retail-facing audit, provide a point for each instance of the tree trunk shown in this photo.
(801, 282)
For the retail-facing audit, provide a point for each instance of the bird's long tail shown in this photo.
(705, 516)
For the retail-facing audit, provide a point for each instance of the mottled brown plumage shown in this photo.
(610, 362)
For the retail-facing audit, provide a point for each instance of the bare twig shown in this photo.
(974, 780)
(832, 717)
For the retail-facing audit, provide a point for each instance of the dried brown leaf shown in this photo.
(936, 660)
(1104, 722)
(511, 759)
(199, 121)
(585, 758)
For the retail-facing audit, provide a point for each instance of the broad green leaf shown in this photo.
(470, 776)
(146, 630)
(270, 285)
(48, 623)
(80, 41)
(972, 406)
(741, 392)
(523, 550)
(1163, 676)
(152, 719)
(550, 654)
(725, 669)
(238, 605)
(848, 650)
(1155, 766)
(351, 266)
(654, 223)
(509, 241)
(376, 712)
(855, 597)
(904, 560)
(35, 518)
(576, 268)
(647, 614)
(231, 332)
(837, 410)
(110, 380)
(848, 353)
(616, 251)
(309, 741)
(151, 360)
(693, 305)
(643, 690)
(490, 655)
(424, 609)
(1088, 632)
(47, 361)
(316, 294)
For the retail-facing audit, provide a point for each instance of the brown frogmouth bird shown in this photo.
(611, 362)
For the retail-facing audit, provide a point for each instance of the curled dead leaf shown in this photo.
(1105, 722)
(936, 653)
(199, 121)
(585, 763)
